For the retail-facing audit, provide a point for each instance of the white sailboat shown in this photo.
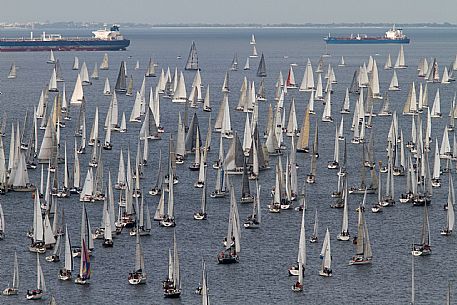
(13, 71)
(78, 93)
(14, 288)
(307, 83)
(394, 86)
(231, 250)
(424, 247)
(450, 216)
(52, 59)
(65, 272)
(201, 214)
(172, 285)
(37, 294)
(326, 257)
(138, 276)
(107, 87)
(334, 164)
(344, 234)
(342, 63)
(436, 108)
(247, 65)
(168, 218)
(388, 64)
(363, 254)
(314, 238)
(301, 258)
(75, 63)
(105, 62)
(400, 63)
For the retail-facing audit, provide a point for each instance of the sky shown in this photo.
(230, 11)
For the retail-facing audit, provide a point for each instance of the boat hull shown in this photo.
(372, 40)
(24, 45)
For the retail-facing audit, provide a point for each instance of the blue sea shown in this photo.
(261, 276)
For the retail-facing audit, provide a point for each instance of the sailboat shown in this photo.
(138, 276)
(450, 217)
(344, 235)
(424, 247)
(307, 83)
(14, 288)
(326, 265)
(55, 256)
(107, 87)
(172, 285)
(192, 59)
(230, 253)
(2, 223)
(301, 258)
(84, 267)
(311, 177)
(314, 238)
(169, 219)
(105, 62)
(342, 62)
(52, 59)
(394, 86)
(253, 220)
(38, 243)
(65, 272)
(151, 71)
(262, 69)
(301, 262)
(400, 63)
(12, 73)
(247, 65)
(75, 63)
(201, 214)
(363, 254)
(334, 164)
(108, 230)
(254, 52)
(121, 83)
(37, 294)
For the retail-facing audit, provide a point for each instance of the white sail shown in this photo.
(307, 83)
(326, 254)
(400, 63)
(107, 87)
(436, 108)
(85, 74)
(247, 65)
(180, 94)
(68, 255)
(78, 93)
(52, 87)
(105, 62)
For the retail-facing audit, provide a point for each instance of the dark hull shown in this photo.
(344, 40)
(63, 45)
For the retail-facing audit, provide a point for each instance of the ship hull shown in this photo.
(334, 40)
(63, 45)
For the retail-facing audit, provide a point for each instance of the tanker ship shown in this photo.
(102, 40)
(393, 35)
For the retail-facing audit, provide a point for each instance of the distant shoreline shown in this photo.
(93, 25)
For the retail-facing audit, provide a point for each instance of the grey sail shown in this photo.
(192, 60)
(262, 69)
(192, 134)
(121, 84)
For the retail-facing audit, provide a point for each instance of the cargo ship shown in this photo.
(393, 35)
(102, 40)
